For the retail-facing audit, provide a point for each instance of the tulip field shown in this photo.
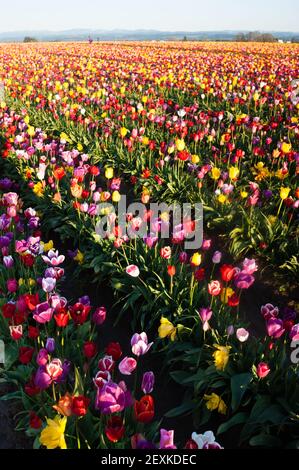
(114, 336)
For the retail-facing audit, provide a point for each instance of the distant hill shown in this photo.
(134, 35)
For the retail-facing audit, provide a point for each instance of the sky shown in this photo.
(166, 15)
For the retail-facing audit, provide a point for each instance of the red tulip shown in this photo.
(80, 405)
(115, 429)
(144, 409)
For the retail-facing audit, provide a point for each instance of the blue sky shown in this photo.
(168, 15)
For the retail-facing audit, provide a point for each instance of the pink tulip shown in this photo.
(242, 335)
(214, 288)
(263, 370)
(133, 271)
(127, 366)
(166, 439)
(43, 313)
(275, 328)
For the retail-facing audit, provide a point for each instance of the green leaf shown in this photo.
(36, 443)
(78, 388)
(11, 355)
(239, 385)
(185, 408)
(180, 376)
(12, 396)
(265, 440)
(239, 418)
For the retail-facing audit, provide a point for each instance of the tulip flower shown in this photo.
(242, 335)
(166, 439)
(133, 271)
(263, 370)
(140, 344)
(148, 382)
(127, 366)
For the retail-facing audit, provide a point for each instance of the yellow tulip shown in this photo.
(286, 148)
(31, 131)
(222, 198)
(195, 159)
(234, 173)
(180, 145)
(196, 259)
(116, 196)
(123, 132)
(284, 193)
(216, 173)
(109, 173)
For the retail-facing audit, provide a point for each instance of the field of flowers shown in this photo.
(81, 127)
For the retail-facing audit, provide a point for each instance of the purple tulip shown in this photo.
(4, 241)
(183, 257)
(50, 345)
(212, 446)
(269, 311)
(166, 439)
(243, 280)
(148, 383)
(66, 369)
(42, 357)
(48, 284)
(50, 272)
(140, 344)
(128, 396)
(34, 245)
(145, 445)
(127, 366)
(249, 266)
(230, 330)
(33, 223)
(99, 316)
(289, 314)
(4, 222)
(85, 300)
(8, 262)
(42, 378)
(5, 184)
(268, 194)
(217, 257)
(110, 399)
(275, 328)
(205, 314)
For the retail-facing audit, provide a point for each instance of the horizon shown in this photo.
(172, 16)
(136, 30)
